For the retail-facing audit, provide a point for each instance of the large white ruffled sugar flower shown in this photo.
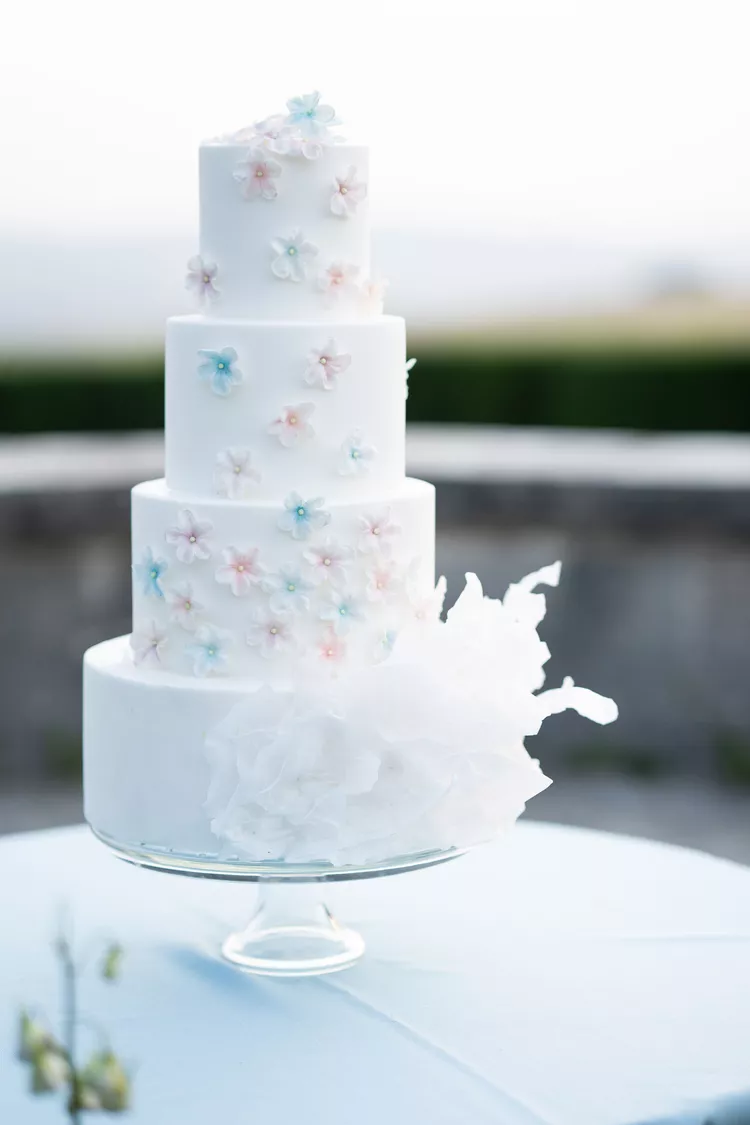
(423, 750)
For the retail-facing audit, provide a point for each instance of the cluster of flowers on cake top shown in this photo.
(422, 751)
(304, 130)
(332, 585)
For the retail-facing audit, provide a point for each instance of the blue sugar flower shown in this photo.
(301, 517)
(209, 652)
(219, 370)
(149, 572)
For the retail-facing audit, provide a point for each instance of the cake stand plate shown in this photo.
(292, 933)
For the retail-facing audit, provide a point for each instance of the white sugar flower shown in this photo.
(372, 296)
(384, 581)
(356, 456)
(209, 651)
(423, 750)
(234, 473)
(301, 517)
(271, 135)
(329, 562)
(201, 278)
(377, 531)
(293, 425)
(190, 537)
(257, 175)
(148, 644)
(325, 365)
(240, 570)
(271, 633)
(288, 590)
(294, 256)
(338, 280)
(184, 608)
(348, 192)
(342, 609)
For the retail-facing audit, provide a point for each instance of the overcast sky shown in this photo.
(603, 120)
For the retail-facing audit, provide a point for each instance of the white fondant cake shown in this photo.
(285, 534)
(289, 692)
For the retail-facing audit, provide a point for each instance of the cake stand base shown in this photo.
(292, 934)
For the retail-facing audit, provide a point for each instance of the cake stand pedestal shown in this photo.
(292, 932)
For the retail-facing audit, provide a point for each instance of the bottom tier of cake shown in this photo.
(146, 771)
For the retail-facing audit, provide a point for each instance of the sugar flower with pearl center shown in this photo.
(342, 609)
(293, 425)
(294, 256)
(271, 633)
(219, 369)
(339, 279)
(201, 278)
(324, 365)
(377, 532)
(149, 572)
(301, 517)
(329, 562)
(240, 570)
(190, 537)
(384, 581)
(209, 652)
(356, 456)
(257, 175)
(331, 647)
(288, 590)
(235, 473)
(271, 135)
(311, 123)
(148, 644)
(348, 193)
(184, 607)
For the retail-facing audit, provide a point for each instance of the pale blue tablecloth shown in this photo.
(560, 977)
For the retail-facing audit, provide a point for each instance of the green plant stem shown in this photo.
(70, 1016)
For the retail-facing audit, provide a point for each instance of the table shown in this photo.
(558, 977)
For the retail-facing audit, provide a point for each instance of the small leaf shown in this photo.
(112, 963)
(33, 1037)
(50, 1071)
(105, 1076)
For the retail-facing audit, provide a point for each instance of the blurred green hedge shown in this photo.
(639, 388)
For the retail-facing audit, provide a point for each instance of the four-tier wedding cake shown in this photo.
(285, 553)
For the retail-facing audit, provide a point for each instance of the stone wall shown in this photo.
(654, 608)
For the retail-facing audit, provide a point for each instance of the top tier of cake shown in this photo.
(284, 223)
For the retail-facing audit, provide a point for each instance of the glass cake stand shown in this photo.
(292, 933)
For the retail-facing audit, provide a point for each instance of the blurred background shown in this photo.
(560, 195)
